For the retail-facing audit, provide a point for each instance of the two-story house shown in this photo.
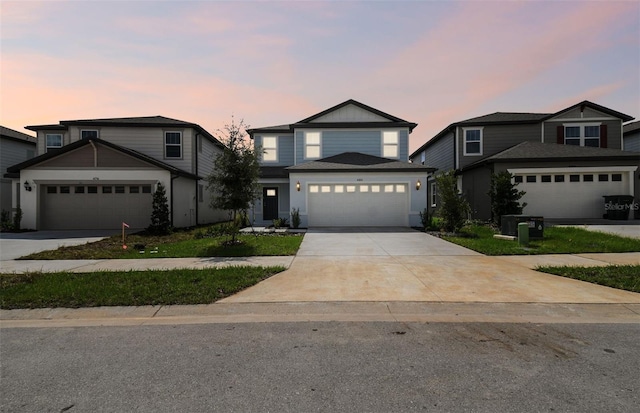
(14, 147)
(98, 173)
(345, 166)
(631, 136)
(564, 161)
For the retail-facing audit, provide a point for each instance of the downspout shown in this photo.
(95, 154)
(197, 174)
(172, 196)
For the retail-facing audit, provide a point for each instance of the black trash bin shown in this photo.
(617, 207)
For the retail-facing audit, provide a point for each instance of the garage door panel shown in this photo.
(95, 210)
(352, 205)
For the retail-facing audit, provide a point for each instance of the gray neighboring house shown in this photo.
(98, 173)
(631, 136)
(565, 161)
(15, 147)
(345, 166)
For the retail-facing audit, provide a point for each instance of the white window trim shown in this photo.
(432, 194)
(47, 147)
(164, 135)
(464, 140)
(319, 145)
(90, 130)
(397, 144)
(582, 132)
(275, 149)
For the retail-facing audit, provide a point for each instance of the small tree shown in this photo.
(454, 208)
(504, 196)
(160, 219)
(234, 179)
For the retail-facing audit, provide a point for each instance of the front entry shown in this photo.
(269, 203)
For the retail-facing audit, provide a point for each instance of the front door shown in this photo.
(269, 203)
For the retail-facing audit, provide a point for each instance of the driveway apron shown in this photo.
(400, 264)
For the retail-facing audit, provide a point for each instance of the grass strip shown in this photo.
(129, 288)
(622, 277)
(557, 240)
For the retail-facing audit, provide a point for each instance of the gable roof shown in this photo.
(141, 121)
(537, 151)
(358, 162)
(14, 171)
(515, 118)
(391, 121)
(631, 127)
(16, 136)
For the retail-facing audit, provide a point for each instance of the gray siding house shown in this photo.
(631, 136)
(15, 147)
(564, 161)
(98, 173)
(345, 166)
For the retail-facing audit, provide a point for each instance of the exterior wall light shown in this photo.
(298, 186)
(418, 185)
(27, 186)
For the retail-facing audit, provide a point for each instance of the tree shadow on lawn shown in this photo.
(217, 249)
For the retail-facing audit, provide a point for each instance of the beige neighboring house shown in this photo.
(98, 173)
(14, 147)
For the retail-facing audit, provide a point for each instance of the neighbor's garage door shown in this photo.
(358, 205)
(570, 195)
(95, 206)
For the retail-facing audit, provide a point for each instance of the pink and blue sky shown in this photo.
(277, 62)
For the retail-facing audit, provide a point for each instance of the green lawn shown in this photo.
(557, 240)
(188, 243)
(132, 288)
(623, 277)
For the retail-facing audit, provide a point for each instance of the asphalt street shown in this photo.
(323, 367)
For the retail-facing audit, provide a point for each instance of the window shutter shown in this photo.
(603, 136)
(560, 140)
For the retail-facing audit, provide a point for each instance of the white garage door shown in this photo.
(570, 195)
(95, 206)
(350, 205)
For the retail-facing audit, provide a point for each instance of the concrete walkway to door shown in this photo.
(399, 264)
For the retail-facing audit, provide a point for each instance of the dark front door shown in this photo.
(269, 203)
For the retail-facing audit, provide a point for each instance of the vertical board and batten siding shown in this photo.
(285, 149)
(149, 141)
(497, 138)
(335, 142)
(614, 130)
(351, 113)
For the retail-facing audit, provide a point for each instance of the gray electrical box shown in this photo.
(509, 225)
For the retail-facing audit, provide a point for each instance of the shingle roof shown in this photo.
(631, 127)
(506, 118)
(537, 152)
(80, 143)
(358, 162)
(15, 135)
(273, 172)
(140, 121)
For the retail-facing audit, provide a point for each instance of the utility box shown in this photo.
(509, 225)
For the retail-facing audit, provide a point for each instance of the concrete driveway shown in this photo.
(337, 265)
(16, 245)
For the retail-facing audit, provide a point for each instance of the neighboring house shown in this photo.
(98, 173)
(14, 147)
(564, 161)
(345, 166)
(631, 136)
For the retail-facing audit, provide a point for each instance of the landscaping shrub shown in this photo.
(504, 196)
(454, 208)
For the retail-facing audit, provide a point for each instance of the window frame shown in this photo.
(82, 131)
(433, 194)
(267, 149)
(307, 145)
(46, 141)
(394, 135)
(173, 145)
(582, 138)
(479, 141)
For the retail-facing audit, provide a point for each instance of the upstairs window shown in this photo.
(423, 157)
(173, 145)
(53, 141)
(582, 135)
(270, 149)
(390, 144)
(312, 145)
(472, 142)
(89, 134)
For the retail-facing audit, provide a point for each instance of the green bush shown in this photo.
(454, 208)
(280, 222)
(295, 217)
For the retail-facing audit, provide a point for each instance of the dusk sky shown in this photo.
(271, 63)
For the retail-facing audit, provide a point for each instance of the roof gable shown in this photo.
(581, 107)
(17, 136)
(88, 157)
(358, 162)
